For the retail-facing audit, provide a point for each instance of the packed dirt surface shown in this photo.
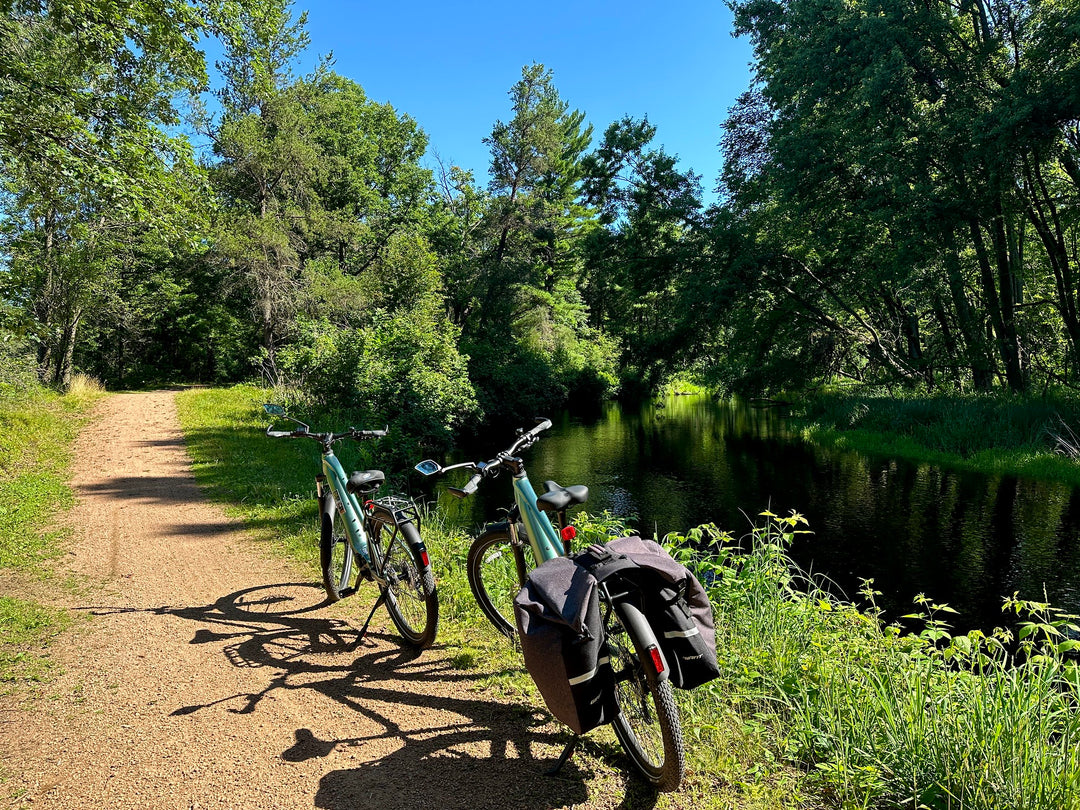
(209, 675)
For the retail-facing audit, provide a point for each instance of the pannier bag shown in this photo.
(558, 621)
(674, 601)
(559, 625)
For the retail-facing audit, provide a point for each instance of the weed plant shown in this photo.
(878, 718)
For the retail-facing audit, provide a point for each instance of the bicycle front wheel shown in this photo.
(648, 724)
(335, 555)
(411, 598)
(496, 572)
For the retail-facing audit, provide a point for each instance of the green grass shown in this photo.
(38, 429)
(993, 434)
(26, 629)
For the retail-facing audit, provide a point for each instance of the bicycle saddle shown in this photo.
(363, 482)
(558, 498)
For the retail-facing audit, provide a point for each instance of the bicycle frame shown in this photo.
(334, 477)
(544, 539)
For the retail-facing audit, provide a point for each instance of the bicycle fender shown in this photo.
(327, 504)
(636, 623)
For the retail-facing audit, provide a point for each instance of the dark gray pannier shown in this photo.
(674, 602)
(558, 620)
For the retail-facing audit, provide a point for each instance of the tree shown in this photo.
(268, 161)
(86, 91)
(642, 257)
(886, 143)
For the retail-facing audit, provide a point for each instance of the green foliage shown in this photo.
(880, 718)
(901, 216)
(87, 169)
(39, 428)
(383, 351)
(991, 433)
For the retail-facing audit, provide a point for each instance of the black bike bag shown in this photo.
(673, 600)
(558, 621)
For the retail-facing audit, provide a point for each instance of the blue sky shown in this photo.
(449, 65)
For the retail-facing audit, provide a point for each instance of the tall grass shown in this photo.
(883, 719)
(992, 433)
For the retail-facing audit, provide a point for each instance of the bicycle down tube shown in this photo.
(334, 472)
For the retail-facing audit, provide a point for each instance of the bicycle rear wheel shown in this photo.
(648, 724)
(411, 598)
(496, 571)
(335, 555)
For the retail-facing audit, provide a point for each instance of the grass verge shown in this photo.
(39, 429)
(881, 719)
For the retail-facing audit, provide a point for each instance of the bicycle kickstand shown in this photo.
(378, 603)
(564, 757)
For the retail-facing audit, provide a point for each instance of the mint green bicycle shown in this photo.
(647, 725)
(378, 540)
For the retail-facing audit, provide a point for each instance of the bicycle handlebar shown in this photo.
(504, 459)
(469, 488)
(327, 438)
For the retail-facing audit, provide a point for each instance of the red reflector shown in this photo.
(424, 558)
(568, 533)
(657, 659)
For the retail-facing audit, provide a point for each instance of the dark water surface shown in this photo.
(962, 538)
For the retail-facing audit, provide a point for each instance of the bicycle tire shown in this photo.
(647, 725)
(496, 572)
(335, 555)
(411, 597)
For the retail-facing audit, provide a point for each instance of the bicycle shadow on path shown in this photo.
(430, 737)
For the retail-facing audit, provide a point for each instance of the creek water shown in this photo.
(961, 538)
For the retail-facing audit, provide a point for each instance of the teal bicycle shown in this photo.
(499, 559)
(377, 540)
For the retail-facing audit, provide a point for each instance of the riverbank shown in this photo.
(991, 434)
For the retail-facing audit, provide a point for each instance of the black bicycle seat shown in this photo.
(558, 498)
(365, 481)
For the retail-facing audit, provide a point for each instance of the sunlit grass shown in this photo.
(25, 631)
(38, 429)
(881, 719)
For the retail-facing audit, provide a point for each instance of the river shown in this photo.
(961, 538)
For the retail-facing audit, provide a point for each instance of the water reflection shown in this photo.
(962, 538)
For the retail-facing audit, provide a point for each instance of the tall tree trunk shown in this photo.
(975, 350)
(999, 302)
(64, 357)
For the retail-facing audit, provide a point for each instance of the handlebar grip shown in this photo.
(468, 489)
(279, 434)
(356, 433)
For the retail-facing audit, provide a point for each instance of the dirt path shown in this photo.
(212, 677)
